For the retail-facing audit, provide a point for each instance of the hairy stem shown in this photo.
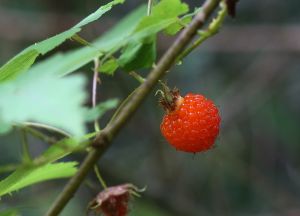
(104, 138)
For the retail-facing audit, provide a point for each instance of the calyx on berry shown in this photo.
(114, 201)
(170, 100)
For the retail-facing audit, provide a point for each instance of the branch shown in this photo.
(104, 138)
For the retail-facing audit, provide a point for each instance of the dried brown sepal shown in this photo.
(113, 201)
(169, 103)
(169, 99)
(231, 7)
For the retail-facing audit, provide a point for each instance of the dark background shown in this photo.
(251, 69)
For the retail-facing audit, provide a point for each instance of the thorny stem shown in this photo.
(105, 137)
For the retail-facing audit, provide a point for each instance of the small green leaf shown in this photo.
(98, 111)
(109, 67)
(28, 175)
(176, 27)
(163, 11)
(98, 13)
(138, 55)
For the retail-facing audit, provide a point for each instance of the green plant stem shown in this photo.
(47, 127)
(104, 138)
(25, 147)
(8, 168)
(149, 7)
(204, 35)
(99, 176)
(94, 90)
(40, 135)
(137, 76)
(125, 101)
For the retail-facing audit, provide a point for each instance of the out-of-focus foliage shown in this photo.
(28, 175)
(21, 101)
(251, 69)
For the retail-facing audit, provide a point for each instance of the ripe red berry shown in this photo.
(192, 124)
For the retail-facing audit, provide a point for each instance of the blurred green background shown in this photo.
(251, 69)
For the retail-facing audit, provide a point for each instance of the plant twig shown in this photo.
(124, 102)
(40, 135)
(99, 176)
(104, 138)
(149, 7)
(26, 157)
(8, 168)
(47, 127)
(213, 28)
(94, 90)
(137, 76)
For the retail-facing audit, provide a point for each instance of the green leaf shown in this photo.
(4, 128)
(49, 44)
(165, 10)
(97, 14)
(28, 175)
(98, 111)
(26, 58)
(164, 14)
(46, 99)
(62, 148)
(138, 55)
(135, 27)
(109, 67)
(18, 64)
(176, 27)
(63, 64)
(119, 35)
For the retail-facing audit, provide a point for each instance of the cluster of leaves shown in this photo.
(43, 93)
(46, 94)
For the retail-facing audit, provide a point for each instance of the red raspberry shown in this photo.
(192, 125)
